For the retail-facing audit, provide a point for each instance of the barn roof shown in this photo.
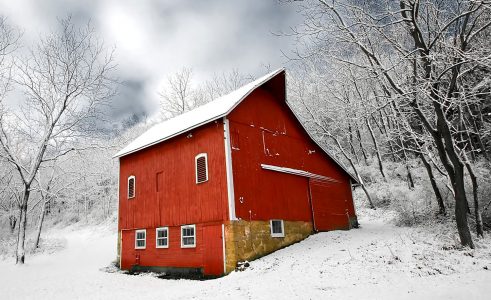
(211, 111)
(204, 114)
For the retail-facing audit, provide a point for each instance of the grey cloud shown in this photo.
(156, 38)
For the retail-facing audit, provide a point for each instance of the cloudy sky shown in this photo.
(154, 39)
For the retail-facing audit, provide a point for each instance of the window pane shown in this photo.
(276, 226)
(188, 241)
(188, 231)
(162, 242)
(162, 233)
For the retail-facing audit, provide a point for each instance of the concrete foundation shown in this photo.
(248, 240)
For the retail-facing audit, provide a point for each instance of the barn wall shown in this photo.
(264, 131)
(167, 195)
(179, 199)
(206, 256)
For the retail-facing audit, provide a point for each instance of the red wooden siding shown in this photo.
(207, 254)
(213, 249)
(330, 206)
(179, 199)
(266, 132)
(167, 195)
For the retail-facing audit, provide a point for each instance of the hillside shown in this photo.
(376, 261)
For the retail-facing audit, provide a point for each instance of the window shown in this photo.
(140, 239)
(277, 228)
(162, 237)
(188, 236)
(131, 187)
(201, 168)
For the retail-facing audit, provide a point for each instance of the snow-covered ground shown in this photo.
(377, 261)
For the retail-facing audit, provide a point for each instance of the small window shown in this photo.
(140, 239)
(201, 168)
(188, 236)
(162, 236)
(277, 228)
(131, 187)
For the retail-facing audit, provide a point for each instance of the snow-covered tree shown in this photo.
(65, 80)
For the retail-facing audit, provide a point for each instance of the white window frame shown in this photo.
(182, 236)
(205, 155)
(273, 234)
(134, 187)
(157, 237)
(144, 240)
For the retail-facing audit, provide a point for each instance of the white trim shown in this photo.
(223, 247)
(136, 238)
(205, 155)
(121, 231)
(228, 166)
(194, 229)
(121, 249)
(297, 172)
(157, 237)
(282, 234)
(128, 187)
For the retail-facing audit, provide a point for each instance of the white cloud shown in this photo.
(156, 38)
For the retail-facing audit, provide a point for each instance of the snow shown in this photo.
(204, 114)
(296, 172)
(377, 261)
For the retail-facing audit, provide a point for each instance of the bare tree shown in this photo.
(65, 80)
(9, 37)
(438, 42)
(179, 95)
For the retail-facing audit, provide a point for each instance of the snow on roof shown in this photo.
(204, 114)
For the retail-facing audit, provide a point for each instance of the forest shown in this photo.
(399, 91)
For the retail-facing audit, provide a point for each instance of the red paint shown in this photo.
(330, 206)
(179, 200)
(263, 130)
(269, 133)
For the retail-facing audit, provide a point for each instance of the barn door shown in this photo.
(213, 252)
(329, 205)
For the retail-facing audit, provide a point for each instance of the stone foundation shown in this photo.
(248, 240)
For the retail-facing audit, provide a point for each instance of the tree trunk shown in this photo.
(410, 180)
(351, 143)
(354, 170)
(436, 190)
(377, 151)
(368, 195)
(12, 223)
(21, 238)
(40, 225)
(477, 212)
(461, 208)
(361, 146)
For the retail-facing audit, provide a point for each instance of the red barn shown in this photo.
(232, 180)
